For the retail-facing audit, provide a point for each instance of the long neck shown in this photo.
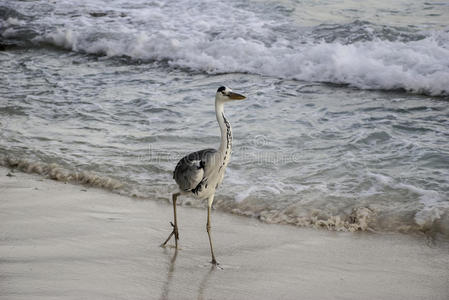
(226, 132)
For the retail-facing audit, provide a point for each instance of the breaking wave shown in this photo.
(419, 66)
(358, 54)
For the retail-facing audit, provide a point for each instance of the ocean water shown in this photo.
(346, 125)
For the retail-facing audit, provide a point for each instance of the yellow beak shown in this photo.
(235, 96)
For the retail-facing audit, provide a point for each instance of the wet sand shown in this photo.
(63, 241)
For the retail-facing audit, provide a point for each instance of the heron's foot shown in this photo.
(215, 264)
(173, 233)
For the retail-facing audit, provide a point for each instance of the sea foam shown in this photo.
(246, 39)
(418, 66)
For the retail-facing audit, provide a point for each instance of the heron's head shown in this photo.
(225, 94)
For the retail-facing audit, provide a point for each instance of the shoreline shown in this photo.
(361, 218)
(69, 241)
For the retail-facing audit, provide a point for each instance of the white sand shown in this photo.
(60, 242)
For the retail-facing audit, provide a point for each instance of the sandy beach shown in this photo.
(330, 178)
(63, 241)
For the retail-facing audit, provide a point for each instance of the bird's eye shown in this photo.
(223, 92)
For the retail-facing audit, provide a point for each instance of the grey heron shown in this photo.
(199, 174)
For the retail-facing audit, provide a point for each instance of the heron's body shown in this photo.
(200, 173)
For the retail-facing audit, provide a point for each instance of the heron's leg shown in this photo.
(175, 225)
(208, 228)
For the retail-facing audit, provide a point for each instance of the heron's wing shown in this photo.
(191, 169)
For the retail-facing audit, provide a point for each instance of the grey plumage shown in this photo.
(190, 172)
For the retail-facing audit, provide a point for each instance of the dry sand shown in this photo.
(62, 241)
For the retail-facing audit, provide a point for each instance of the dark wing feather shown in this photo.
(190, 170)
